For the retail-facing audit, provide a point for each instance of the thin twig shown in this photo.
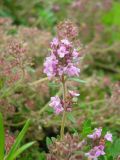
(38, 81)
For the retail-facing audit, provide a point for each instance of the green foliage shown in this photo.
(53, 84)
(112, 20)
(16, 150)
(71, 117)
(42, 156)
(1, 83)
(3, 13)
(20, 150)
(86, 128)
(113, 150)
(46, 18)
(48, 141)
(41, 14)
(112, 17)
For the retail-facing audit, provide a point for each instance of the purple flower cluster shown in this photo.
(63, 59)
(58, 105)
(98, 150)
(96, 134)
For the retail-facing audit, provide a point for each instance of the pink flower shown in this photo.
(61, 70)
(74, 94)
(56, 104)
(96, 134)
(108, 136)
(62, 60)
(96, 152)
(62, 51)
(75, 53)
(66, 42)
(50, 66)
(55, 42)
(72, 70)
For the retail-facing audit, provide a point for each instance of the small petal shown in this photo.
(73, 94)
(108, 136)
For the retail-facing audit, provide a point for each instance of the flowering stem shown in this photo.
(63, 125)
(64, 113)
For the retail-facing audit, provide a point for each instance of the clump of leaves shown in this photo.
(16, 149)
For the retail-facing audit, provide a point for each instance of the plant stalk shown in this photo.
(64, 112)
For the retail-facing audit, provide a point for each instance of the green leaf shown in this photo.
(53, 84)
(42, 156)
(47, 17)
(50, 110)
(3, 13)
(77, 80)
(71, 118)
(114, 150)
(1, 83)
(74, 130)
(21, 150)
(112, 20)
(112, 17)
(18, 140)
(116, 11)
(53, 139)
(2, 138)
(48, 141)
(86, 128)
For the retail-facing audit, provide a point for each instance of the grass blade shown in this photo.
(2, 138)
(21, 150)
(18, 141)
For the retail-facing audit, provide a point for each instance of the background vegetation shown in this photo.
(34, 22)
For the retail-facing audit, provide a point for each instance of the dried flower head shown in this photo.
(67, 29)
(14, 61)
(66, 149)
(16, 48)
(6, 108)
(9, 140)
(115, 97)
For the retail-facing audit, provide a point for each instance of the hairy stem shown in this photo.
(64, 113)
